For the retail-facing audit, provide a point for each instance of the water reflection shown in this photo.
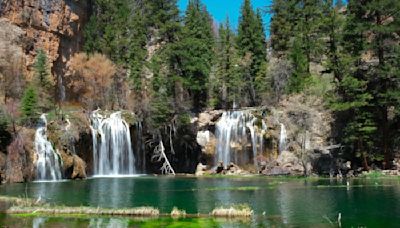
(38, 222)
(109, 223)
(111, 192)
(283, 202)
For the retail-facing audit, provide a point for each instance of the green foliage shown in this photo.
(43, 84)
(194, 52)
(117, 29)
(300, 63)
(227, 84)
(41, 69)
(366, 91)
(282, 25)
(251, 43)
(29, 105)
(161, 110)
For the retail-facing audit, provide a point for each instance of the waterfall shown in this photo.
(232, 138)
(48, 165)
(264, 129)
(251, 127)
(282, 138)
(112, 147)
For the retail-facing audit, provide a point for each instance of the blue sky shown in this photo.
(220, 9)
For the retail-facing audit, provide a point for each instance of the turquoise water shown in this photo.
(291, 202)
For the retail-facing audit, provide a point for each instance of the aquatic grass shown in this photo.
(61, 210)
(176, 213)
(240, 210)
(241, 188)
(372, 174)
(353, 186)
(375, 174)
(20, 201)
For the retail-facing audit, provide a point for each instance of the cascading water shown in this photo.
(232, 138)
(282, 138)
(112, 147)
(48, 165)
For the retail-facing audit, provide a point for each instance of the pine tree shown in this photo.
(282, 25)
(29, 105)
(41, 69)
(163, 17)
(334, 30)
(118, 30)
(300, 75)
(43, 82)
(194, 53)
(368, 90)
(228, 82)
(251, 42)
(384, 81)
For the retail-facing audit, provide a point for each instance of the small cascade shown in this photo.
(48, 165)
(252, 129)
(232, 133)
(264, 129)
(282, 138)
(112, 147)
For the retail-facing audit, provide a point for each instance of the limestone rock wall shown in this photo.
(52, 25)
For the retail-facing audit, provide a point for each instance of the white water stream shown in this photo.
(112, 147)
(232, 133)
(48, 165)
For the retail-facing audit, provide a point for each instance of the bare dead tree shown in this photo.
(159, 155)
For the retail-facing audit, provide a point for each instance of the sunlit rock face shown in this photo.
(56, 26)
(112, 147)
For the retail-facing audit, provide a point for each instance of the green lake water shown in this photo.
(275, 201)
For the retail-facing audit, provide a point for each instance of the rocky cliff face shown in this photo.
(52, 25)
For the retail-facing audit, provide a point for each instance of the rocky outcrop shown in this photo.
(66, 135)
(200, 170)
(20, 158)
(74, 167)
(52, 25)
(308, 135)
(3, 159)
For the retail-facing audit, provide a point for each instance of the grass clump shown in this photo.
(372, 174)
(139, 211)
(176, 213)
(242, 210)
(23, 202)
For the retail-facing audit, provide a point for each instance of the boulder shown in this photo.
(207, 141)
(79, 171)
(200, 169)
